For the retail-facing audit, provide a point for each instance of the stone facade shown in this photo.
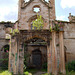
(4, 27)
(69, 38)
(56, 47)
(27, 15)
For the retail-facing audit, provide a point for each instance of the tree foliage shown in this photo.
(38, 23)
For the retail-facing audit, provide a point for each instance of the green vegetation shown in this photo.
(14, 31)
(70, 70)
(5, 73)
(46, 74)
(26, 73)
(38, 23)
(70, 66)
(56, 27)
(44, 66)
(32, 71)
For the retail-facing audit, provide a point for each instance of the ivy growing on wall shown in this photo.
(14, 31)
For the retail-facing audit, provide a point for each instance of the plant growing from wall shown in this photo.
(50, 29)
(14, 31)
(9, 42)
(38, 23)
(56, 27)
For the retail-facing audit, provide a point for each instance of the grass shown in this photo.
(33, 71)
(70, 73)
(6, 72)
(1, 71)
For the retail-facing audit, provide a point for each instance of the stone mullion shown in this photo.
(54, 54)
(62, 57)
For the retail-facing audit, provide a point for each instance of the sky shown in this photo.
(9, 9)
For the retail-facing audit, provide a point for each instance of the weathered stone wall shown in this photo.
(2, 36)
(69, 40)
(3, 30)
(27, 12)
(3, 41)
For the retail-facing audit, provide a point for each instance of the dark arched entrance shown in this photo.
(37, 58)
(5, 57)
(36, 47)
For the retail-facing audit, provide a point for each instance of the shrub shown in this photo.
(70, 66)
(46, 74)
(26, 73)
(4, 64)
(44, 66)
(5, 73)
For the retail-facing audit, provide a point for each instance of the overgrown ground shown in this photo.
(34, 71)
(70, 70)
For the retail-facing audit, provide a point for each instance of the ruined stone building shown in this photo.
(41, 46)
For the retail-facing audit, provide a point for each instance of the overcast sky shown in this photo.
(9, 9)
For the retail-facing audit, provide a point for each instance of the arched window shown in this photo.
(5, 57)
(6, 48)
(34, 18)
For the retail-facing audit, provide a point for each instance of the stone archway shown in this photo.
(36, 47)
(31, 19)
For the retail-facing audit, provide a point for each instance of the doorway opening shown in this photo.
(37, 58)
(35, 51)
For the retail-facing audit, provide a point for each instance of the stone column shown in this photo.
(54, 54)
(21, 59)
(13, 55)
(16, 55)
(49, 68)
(62, 57)
(9, 65)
